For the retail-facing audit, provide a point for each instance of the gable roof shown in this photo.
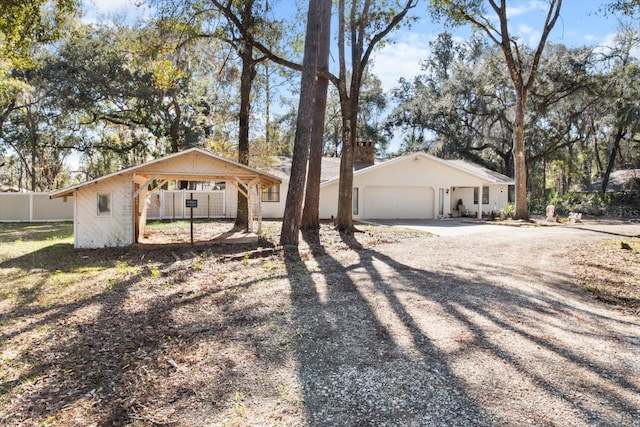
(230, 169)
(486, 175)
(482, 172)
(281, 167)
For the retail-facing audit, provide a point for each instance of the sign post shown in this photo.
(191, 203)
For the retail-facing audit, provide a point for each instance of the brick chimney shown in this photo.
(364, 154)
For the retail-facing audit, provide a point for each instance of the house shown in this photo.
(413, 186)
(112, 210)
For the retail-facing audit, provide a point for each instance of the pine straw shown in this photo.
(149, 335)
(610, 271)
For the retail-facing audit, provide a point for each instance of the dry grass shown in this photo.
(147, 335)
(227, 335)
(610, 271)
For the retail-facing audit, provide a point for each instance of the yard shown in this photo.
(536, 325)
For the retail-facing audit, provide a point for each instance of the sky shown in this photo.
(580, 24)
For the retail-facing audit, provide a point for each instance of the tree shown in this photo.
(366, 25)
(623, 93)
(458, 108)
(311, 213)
(104, 75)
(24, 23)
(626, 7)
(38, 132)
(318, 20)
(522, 69)
(242, 24)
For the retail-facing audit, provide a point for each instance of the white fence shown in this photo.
(172, 204)
(34, 207)
(165, 204)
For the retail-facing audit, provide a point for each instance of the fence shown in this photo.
(170, 204)
(34, 207)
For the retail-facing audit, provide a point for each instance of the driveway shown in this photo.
(439, 227)
(466, 226)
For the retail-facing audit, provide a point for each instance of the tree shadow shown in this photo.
(32, 232)
(386, 342)
(352, 369)
(115, 359)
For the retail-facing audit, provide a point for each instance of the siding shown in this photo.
(93, 231)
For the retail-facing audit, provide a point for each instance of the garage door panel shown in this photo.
(398, 202)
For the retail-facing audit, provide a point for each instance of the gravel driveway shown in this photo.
(475, 329)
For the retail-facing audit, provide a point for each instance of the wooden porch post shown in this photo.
(480, 202)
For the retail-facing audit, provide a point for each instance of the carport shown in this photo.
(112, 210)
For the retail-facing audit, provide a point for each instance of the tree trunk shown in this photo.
(311, 211)
(344, 219)
(174, 129)
(246, 81)
(620, 132)
(521, 210)
(295, 194)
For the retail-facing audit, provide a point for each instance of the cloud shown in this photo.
(101, 10)
(400, 59)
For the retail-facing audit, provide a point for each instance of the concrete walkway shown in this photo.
(466, 226)
(441, 227)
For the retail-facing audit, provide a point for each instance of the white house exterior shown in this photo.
(112, 210)
(414, 186)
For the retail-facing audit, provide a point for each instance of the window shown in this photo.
(104, 204)
(271, 194)
(485, 195)
(355, 201)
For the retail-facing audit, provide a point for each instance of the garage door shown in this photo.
(398, 202)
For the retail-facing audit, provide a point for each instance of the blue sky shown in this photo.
(580, 24)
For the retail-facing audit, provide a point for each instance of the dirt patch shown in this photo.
(384, 327)
(610, 272)
(201, 233)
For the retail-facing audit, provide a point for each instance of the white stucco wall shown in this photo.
(412, 185)
(498, 197)
(329, 201)
(116, 229)
(407, 187)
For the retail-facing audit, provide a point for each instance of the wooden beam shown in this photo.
(240, 187)
(144, 186)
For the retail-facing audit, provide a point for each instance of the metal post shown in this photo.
(191, 218)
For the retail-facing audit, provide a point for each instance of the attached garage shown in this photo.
(394, 202)
(419, 186)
